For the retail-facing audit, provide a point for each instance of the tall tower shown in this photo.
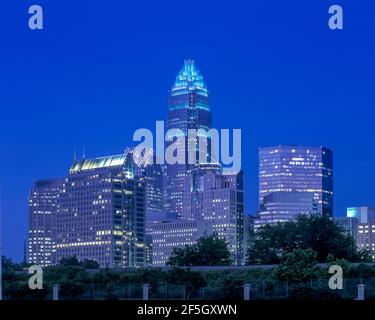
(298, 169)
(43, 210)
(101, 213)
(189, 108)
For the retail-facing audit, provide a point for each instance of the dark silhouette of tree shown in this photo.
(73, 261)
(319, 233)
(208, 251)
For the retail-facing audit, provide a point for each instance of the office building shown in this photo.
(189, 108)
(297, 169)
(217, 198)
(101, 213)
(152, 173)
(43, 208)
(168, 235)
(285, 206)
(365, 236)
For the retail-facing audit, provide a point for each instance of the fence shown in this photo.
(258, 290)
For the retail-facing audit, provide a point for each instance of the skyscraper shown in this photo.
(177, 233)
(153, 176)
(102, 212)
(216, 199)
(204, 199)
(365, 227)
(189, 108)
(283, 206)
(297, 169)
(43, 208)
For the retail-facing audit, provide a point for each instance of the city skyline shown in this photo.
(108, 208)
(77, 107)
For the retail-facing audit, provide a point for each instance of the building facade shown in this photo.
(217, 199)
(168, 235)
(97, 213)
(349, 225)
(43, 208)
(359, 222)
(189, 108)
(102, 213)
(153, 174)
(365, 235)
(285, 206)
(297, 169)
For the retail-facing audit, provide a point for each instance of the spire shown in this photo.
(189, 76)
(74, 155)
(84, 152)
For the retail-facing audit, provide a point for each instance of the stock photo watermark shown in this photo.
(336, 280)
(195, 146)
(36, 280)
(335, 21)
(36, 18)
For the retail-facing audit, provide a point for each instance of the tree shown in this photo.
(9, 265)
(320, 233)
(72, 261)
(298, 265)
(90, 264)
(189, 279)
(73, 280)
(208, 251)
(107, 281)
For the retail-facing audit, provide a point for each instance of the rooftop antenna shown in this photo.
(74, 155)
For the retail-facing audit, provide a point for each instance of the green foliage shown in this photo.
(297, 266)
(73, 261)
(344, 264)
(320, 233)
(90, 264)
(297, 277)
(107, 280)
(9, 265)
(189, 279)
(208, 251)
(73, 280)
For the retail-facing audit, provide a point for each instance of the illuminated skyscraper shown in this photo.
(102, 213)
(216, 200)
(152, 173)
(284, 206)
(43, 208)
(297, 169)
(189, 108)
(365, 228)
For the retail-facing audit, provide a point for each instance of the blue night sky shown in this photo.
(102, 69)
